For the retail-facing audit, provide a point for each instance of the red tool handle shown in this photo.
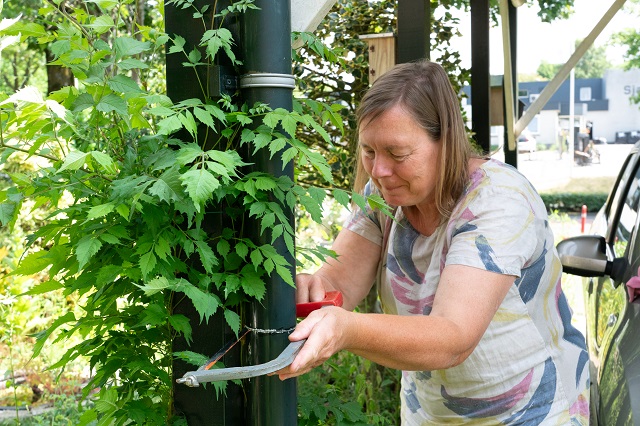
(331, 298)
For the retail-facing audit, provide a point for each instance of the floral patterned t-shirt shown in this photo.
(531, 365)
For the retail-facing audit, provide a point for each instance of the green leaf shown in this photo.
(105, 161)
(265, 183)
(261, 140)
(277, 145)
(45, 287)
(102, 24)
(82, 102)
(168, 186)
(290, 123)
(88, 417)
(42, 337)
(35, 262)
(147, 263)
(200, 185)
(223, 247)
(189, 123)
(204, 117)
(359, 200)
(188, 153)
(233, 320)
(100, 211)
(154, 314)
(132, 63)
(106, 401)
(74, 160)
(341, 197)
(127, 46)
(207, 256)
(109, 239)
(285, 274)
(123, 84)
(87, 247)
(251, 283)
(168, 125)
(7, 211)
(162, 248)
(267, 222)
(206, 304)
(113, 102)
(156, 285)
(318, 194)
(313, 207)
(288, 155)
(216, 112)
(181, 324)
(192, 358)
(108, 274)
(242, 250)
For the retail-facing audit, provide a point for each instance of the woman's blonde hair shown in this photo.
(423, 89)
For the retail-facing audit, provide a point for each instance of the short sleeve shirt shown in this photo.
(531, 365)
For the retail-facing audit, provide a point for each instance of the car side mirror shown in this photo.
(586, 256)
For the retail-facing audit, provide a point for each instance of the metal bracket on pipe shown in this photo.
(286, 81)
(194, 378)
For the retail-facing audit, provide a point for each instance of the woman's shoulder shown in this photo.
(496, 182)
(494, 174)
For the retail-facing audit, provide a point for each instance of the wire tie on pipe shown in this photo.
(270, 330)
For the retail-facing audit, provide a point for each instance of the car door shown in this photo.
(612, 320)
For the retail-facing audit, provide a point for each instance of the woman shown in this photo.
(474, 313)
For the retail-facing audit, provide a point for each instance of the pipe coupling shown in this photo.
(286, 81)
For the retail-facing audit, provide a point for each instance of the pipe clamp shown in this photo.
(249, 81)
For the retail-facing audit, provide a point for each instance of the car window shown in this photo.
(622, 230)
(628, 216)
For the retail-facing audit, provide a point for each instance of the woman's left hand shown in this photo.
(326, 331)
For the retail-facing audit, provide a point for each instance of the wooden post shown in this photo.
(382, 53)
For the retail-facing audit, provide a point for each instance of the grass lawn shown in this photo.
(600, 184)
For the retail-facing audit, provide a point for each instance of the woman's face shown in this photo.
(400, 157)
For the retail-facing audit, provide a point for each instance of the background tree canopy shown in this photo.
(592, 65)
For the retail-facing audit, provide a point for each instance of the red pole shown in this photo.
(583, 218)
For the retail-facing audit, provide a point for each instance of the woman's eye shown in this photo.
(368, 153)
(399, 156)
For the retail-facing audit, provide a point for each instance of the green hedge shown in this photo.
(573, 202)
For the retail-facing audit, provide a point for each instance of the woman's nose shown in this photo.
(381, 168)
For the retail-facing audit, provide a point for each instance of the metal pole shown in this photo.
(572, 106)
(480, 77)
(200, 406)
(265, 45)
(414, 29)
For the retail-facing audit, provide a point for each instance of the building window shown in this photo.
(585, 94)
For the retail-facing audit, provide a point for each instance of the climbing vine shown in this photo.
(127, 182)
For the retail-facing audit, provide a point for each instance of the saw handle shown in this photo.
(331, 298)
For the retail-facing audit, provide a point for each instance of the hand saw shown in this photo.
(205, 375)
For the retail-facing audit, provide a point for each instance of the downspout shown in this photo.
(267, 78)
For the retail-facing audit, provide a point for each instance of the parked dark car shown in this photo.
(628, 137)
(609, 257)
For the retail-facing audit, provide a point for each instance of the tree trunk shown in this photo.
(57, 76)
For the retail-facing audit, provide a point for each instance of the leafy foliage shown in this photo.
(349, 390)
(592, 65)
(127, 199)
